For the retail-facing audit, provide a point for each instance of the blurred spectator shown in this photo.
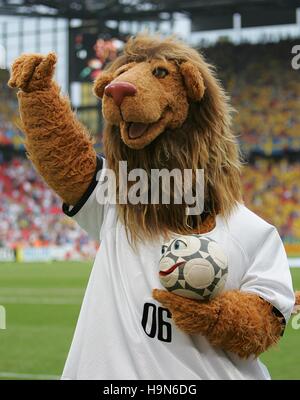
(9, 119)
(272, 190)
(30, 213)
(264, 90)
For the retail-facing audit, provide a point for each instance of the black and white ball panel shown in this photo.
(204, 270)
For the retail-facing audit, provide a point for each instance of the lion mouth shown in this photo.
(136, 129)
(139, 134)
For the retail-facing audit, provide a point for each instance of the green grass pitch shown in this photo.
(42, 303)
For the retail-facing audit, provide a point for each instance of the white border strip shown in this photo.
(39, 301)
(28, 376)
(294, 262)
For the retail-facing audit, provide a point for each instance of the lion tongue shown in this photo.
(137, 129)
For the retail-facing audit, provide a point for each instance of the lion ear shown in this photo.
(101, 82)
(193, 81)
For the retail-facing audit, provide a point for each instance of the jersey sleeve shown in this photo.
(269, 275)
(88, 212)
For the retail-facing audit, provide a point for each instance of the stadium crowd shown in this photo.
(30, 213)
(10, 135)
(271, 189)
(265, 91)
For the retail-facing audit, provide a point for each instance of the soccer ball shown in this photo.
(193, 266)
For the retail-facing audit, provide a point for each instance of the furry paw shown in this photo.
(190, 316)
(32, 72)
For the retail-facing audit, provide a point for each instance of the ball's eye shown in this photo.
(160, 72)
(179, 245)
(164, 249)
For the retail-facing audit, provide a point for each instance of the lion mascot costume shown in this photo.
(163, 109)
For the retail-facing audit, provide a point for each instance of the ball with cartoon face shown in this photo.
(193, 266)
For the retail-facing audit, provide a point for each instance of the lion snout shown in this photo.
(119, 90)
(137, 107)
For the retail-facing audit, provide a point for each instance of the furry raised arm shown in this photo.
(57, 144)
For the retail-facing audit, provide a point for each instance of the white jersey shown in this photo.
(123, 333)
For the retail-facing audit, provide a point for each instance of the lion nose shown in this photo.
(119, 90)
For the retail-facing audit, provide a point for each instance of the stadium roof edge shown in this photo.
(140, 9)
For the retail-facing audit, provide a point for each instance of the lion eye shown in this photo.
(160, 72)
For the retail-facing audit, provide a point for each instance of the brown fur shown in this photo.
(235, 321)
(57, 144)
(297, 303)
(194, 132)
(207, 225)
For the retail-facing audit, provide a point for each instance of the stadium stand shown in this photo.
(10, 135)
(271, 189)
(31, 215)
(265, 91)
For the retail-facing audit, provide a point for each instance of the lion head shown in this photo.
(164, 108)
(144, 98)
